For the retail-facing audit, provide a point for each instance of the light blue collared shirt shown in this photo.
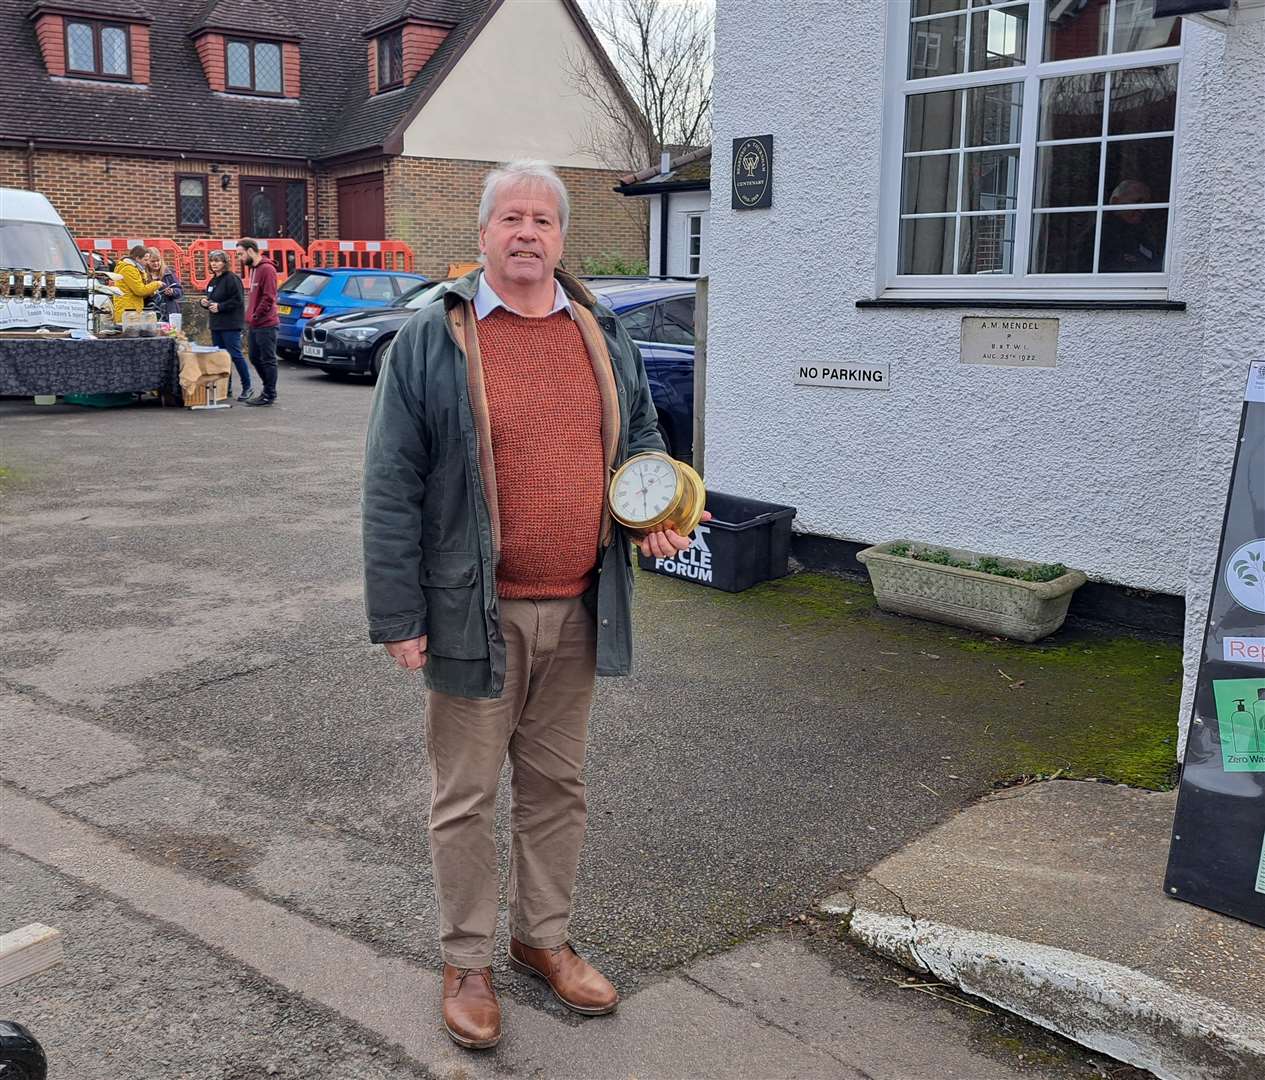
(486, 301)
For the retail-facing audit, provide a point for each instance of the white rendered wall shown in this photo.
(1221, 189)
(1092, 463)
(681, 205)
(510, 95)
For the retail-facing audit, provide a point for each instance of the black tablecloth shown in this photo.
(104, 366)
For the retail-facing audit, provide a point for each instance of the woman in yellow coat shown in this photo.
(135, 283)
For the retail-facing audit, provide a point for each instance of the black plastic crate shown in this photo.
(746, 542)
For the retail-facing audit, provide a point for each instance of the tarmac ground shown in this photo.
(214, 767)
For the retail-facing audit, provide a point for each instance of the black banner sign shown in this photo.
(753, 172)
(1217, 855)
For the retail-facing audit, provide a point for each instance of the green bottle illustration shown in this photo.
(1243, 729)
(1258, 713)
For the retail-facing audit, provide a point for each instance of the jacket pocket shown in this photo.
(454, 605)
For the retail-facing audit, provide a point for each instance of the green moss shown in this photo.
(1082, 703)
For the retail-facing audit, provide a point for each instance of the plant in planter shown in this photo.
(1009, 597)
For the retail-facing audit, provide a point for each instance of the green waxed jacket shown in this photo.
(429, 508)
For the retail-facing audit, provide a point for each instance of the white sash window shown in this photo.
(1030, 148)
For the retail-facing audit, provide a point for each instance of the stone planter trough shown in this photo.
(1008, 607)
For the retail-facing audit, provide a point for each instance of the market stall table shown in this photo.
(30, 366)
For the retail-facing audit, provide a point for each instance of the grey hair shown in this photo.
(524, 171)
(218, 254)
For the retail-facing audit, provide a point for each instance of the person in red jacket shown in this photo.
(261, 319)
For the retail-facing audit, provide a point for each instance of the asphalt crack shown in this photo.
(766, 1022)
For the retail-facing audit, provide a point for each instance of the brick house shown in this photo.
(190, 119)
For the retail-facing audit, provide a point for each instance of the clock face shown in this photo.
(645, 489)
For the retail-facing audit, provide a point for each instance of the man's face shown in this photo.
(522, 242)
(247, 256)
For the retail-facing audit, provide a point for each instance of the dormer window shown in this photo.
(391, 60)
(253, 67)
(98, 50)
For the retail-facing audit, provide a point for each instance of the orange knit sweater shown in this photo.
(546, 415)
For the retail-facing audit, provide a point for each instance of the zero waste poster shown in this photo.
(1217, 855)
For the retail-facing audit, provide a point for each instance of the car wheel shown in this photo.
(379, 355)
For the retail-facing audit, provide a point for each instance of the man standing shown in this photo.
(261, 319)
(492, 562)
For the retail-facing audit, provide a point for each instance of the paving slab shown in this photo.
(1061, 884)
(171, 976)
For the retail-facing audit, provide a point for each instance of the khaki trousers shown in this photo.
(541, 722)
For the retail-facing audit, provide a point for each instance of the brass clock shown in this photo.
(652, 491)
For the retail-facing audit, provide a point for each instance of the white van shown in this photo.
(34, 240)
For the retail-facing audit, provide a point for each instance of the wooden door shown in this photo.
(361, 207)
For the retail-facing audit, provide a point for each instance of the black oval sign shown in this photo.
(753, 172)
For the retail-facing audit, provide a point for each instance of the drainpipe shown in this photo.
(30, 164)
(663, 234)
(314, 233)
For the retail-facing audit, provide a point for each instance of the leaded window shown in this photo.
(253, 67)
(98, 50)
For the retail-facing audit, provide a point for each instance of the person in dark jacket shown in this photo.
(493, 565)
(225, 302)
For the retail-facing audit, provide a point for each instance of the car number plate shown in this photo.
(314, 350)
(285, 309)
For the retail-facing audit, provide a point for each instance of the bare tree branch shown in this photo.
(663, 51)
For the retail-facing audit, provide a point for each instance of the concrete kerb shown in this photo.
(1112, 1009)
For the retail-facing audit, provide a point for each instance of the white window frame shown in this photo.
(1020, 285)
(690, 217)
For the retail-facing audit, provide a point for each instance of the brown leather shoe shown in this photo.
(574, 981)
(472, 1015)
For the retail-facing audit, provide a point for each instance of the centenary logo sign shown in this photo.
(1245, 575)
(753, 172)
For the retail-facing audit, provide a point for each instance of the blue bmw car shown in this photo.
(659, 317)
(311, 293)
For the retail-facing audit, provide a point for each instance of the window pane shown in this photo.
(1071, 107)
(79, 47)
(937, 47)
(1068, 175)
(238, 64)
(1142, 99)
(1063, 243)
(676, 321)
(1132, 241)
(113, 50)
(936, 7)
(396, 43)
(999, 38)
(926, 246)
(988, 244)
(994, 114)
(268, 68)
(930, 184)
(992, 180)
(1138, 28)
(384, 62)
(695, 245)
(192, 208)
(638, 322)
(1077, 29)
(1138, 170)
(376, 288)
(933, 121)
